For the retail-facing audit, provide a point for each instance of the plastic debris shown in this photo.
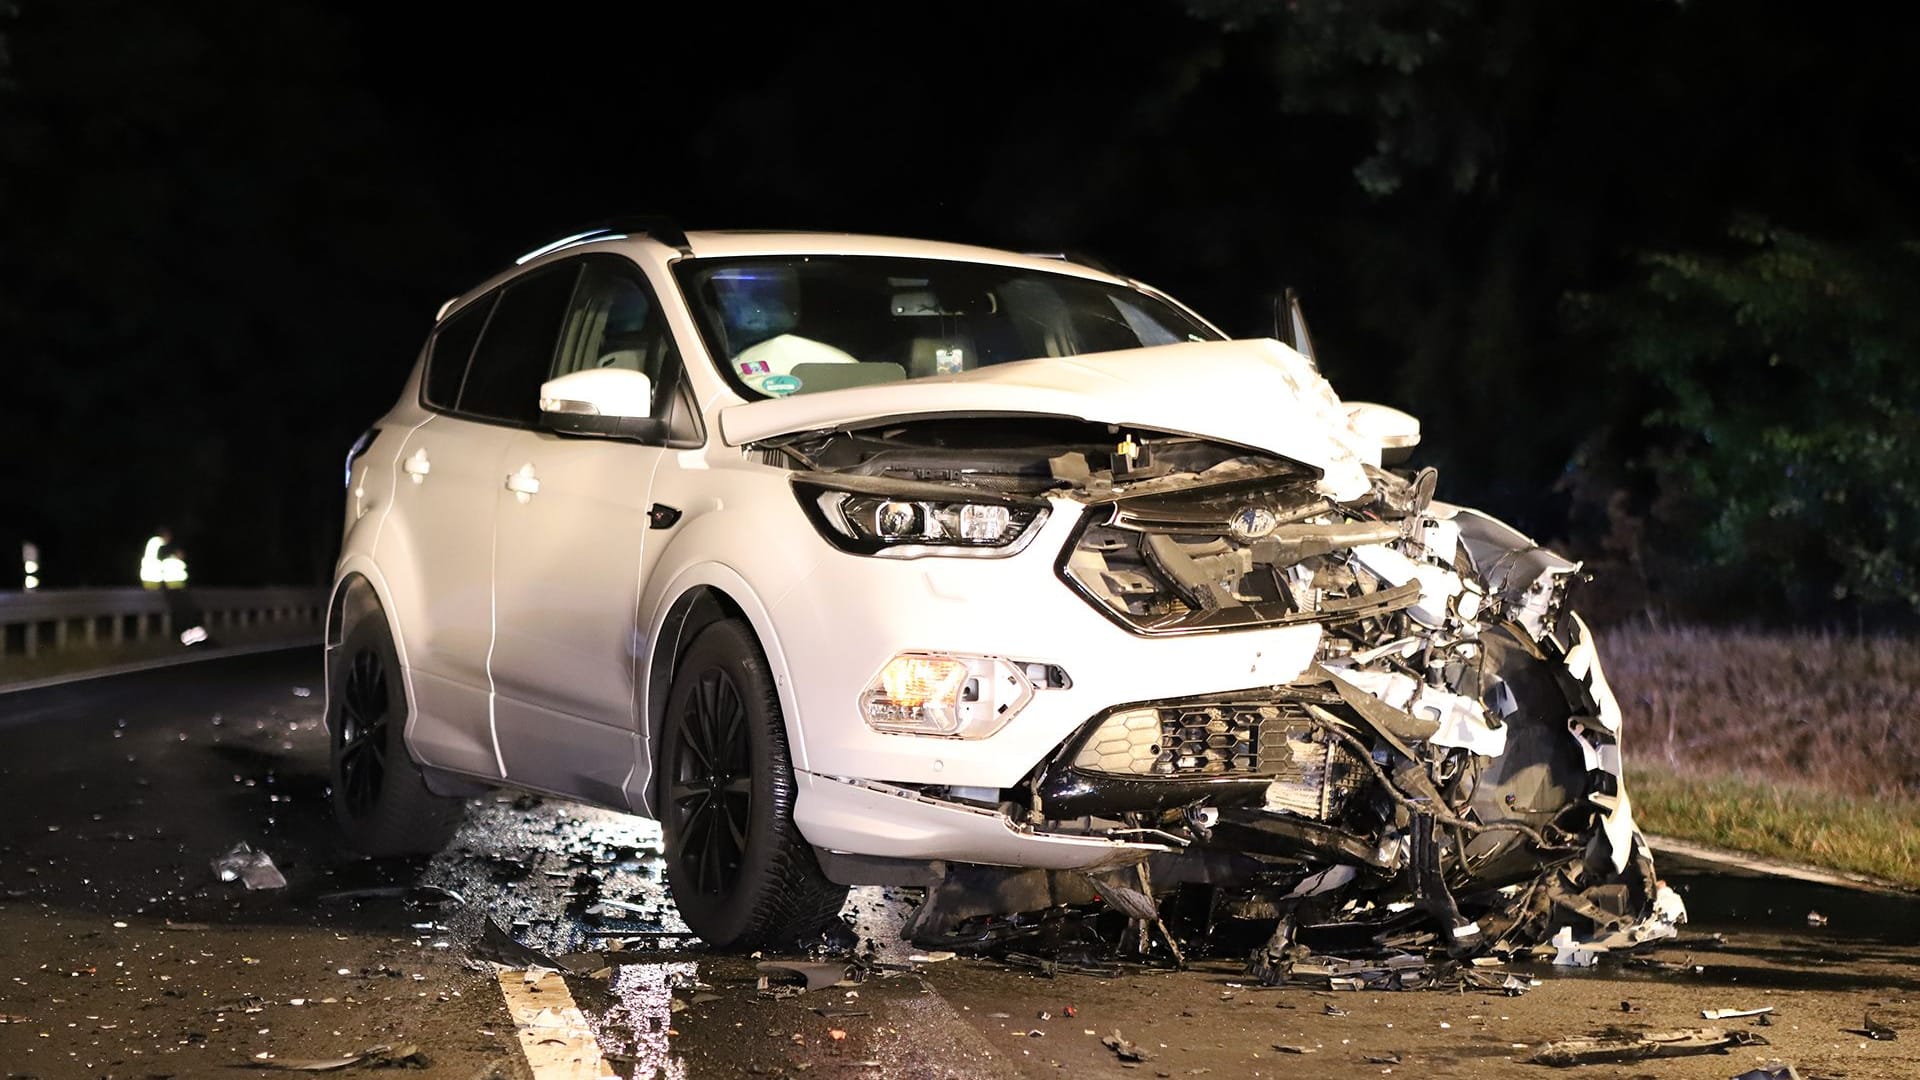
(1288, 1048)
(1617, 1048)
(1570, 953)
(1122, 1048)
(1814, 918)
(1733, 1014)
(1873, 1029)
(1772, 1070)
(497, 945)
(800, 977)
(253, 868)
(302, 691)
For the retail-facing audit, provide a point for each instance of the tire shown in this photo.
(738, 869)
(380, 801)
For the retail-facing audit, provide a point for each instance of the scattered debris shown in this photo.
(1614, 1047)
(415, 896)
(1122, 1048)
(798, 977)
(302, 691)
(1873, 1029)
(253, 868)
(1570, 953)
(381, 1057)
(1733, 1014)
(1287, 1048)
(497, 945)
(1381, 1059)
(1772, 1070)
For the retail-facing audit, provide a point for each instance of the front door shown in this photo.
(572, 546)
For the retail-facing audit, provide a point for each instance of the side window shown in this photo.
(503, 382)
(451, 349)
(614, 323)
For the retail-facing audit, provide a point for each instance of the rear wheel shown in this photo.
(380, 800)
(739, 870)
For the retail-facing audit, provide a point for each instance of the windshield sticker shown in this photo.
(779, 385)
(753, 367)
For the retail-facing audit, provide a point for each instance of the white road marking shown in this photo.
(553, 1031)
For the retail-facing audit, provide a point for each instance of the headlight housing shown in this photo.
(949, 695)
(898, 520)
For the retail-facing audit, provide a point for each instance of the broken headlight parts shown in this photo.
(952, 696)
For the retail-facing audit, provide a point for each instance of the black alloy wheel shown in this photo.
(361, 733)
(739, 870)
(380, 797)
(710, 794)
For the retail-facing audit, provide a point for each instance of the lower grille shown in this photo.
(1266, 738)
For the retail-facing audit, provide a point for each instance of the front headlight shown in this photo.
(910, 520)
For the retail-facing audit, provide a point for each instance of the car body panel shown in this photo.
(1263, 395)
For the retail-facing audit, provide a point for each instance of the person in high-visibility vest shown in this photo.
(164, 566)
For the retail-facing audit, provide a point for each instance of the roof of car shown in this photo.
(729, 243)
(722, 243)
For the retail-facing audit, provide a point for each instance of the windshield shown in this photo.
(796, 324)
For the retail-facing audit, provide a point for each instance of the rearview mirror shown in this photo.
(1396, 433)
(615, 402)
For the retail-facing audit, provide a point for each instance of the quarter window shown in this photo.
(452, 348)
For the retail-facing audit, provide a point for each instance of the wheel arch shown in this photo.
(360, 589)
(703, 595)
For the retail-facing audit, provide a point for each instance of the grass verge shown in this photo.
(1798, 823)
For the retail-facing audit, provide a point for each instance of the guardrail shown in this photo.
(56, 620)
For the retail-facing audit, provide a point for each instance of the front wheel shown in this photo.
(380, 800)
(740, 872)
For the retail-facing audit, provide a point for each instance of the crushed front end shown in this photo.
(1445, 773)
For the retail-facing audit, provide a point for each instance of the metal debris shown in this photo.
(383, 1057)
(253, 868)
(1615, 1047)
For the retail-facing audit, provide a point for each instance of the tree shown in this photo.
(1777, 386)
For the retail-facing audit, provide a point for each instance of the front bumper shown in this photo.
(882, 821)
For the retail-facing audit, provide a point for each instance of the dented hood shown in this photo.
(1257, 394)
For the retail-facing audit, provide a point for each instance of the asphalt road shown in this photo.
(125, 956)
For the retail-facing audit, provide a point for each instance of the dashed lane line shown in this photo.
(553, 1032)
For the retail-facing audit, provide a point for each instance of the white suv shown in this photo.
(864, 560)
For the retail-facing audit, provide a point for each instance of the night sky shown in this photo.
(225, 227)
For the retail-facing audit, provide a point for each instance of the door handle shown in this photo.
(417, 466)
(524, 484)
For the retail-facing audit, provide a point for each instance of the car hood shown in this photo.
(1258, 394)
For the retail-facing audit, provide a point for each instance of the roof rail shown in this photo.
(1078, 258)
(654, 226)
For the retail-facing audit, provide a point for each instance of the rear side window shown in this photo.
(516, 352)
(452, 348)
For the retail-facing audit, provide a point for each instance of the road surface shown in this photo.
(125, 956)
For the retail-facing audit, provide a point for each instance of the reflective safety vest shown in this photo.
(157, 571)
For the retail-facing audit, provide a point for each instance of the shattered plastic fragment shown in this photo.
(1772, 1070)
(1123, 1049)
(1571, 953)
(808, 976)
(252, 868)
(1733, 1014)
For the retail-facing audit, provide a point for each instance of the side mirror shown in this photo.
(1396, 433)
(616, 402)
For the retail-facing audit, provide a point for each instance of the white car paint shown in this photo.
(527, 622)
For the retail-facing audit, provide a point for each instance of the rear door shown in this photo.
(482, 381)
